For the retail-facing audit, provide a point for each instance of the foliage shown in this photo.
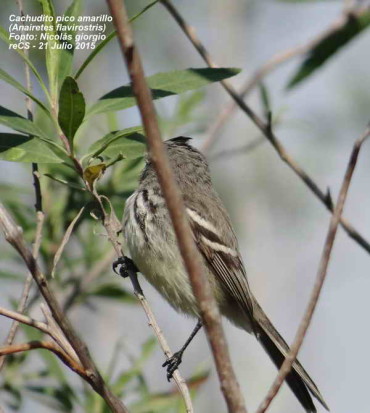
(55, 139)
(330, 45)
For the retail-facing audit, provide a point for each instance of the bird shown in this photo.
(151, 242)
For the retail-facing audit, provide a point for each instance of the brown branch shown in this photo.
(38, 207)
(27, 285)
(192, 260)
(51, 328)
(14, 236)
(21, 318)
(265, 129)
(180, 382)
(47, 345)
(272, 64)
(111, 227)
(320, 278)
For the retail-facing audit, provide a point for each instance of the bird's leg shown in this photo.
(127, 268)
(173, 362)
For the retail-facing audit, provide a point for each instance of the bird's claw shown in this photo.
(125, 265)
(172, 364)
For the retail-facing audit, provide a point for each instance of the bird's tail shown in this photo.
(298, 379)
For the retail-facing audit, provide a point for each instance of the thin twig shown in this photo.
(56, 333)
(14, 236)
(51, 328)
(320, 278)
(112, 226)
(191, 256)
(27, 285)
(276, 61)
(179, 380)
(47, 345)
(65, 240)
(265, 128)
(21, 318)
(38, 208)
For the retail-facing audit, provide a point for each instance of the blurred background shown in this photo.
(280, 224)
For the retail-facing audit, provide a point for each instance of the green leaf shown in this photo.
(329, 46)
(21, 148)
(52, 52)
(4, 35)
(136, 370)
(130, 142)
(66, 55)
(19, 123)
(71, 107)
(95, 52)
(162, 85)
(110, 36)
(115, 292)
(9, 79)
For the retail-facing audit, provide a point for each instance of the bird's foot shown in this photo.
(126, 265)
(172, 364)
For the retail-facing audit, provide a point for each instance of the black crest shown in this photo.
(181, 140)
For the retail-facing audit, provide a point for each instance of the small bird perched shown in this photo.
(152, 244)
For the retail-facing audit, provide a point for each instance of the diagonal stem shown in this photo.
(265, 128)
(192, 260)
(320, 278)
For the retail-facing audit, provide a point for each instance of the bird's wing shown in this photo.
(224, 261)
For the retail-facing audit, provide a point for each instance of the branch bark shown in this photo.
(14, 236)
(265, 128)
(272, 64)
(320, 278)
(47, 345)
(38, 208)
(192, 260)
(21, 318)
(111, 227)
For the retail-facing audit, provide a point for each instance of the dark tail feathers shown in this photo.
(293, 379)
(298, 379)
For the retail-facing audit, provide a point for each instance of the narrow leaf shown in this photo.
(4, 35)
(130, 142)
(66, 183)
(71, 107)
(18, 122)
(65, 240)
(52, 52)
(21, 124)
(162, 85)
(110, 36)
(66, 55)
(329, 46)
(94, 53)
(9, 79)
(21, 148)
